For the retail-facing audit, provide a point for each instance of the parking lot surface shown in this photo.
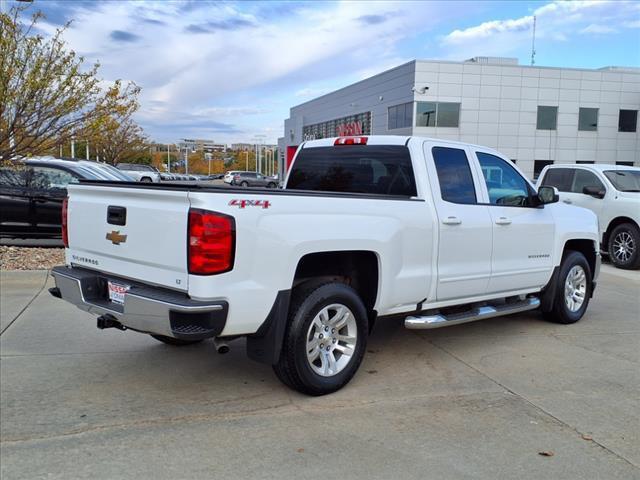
(481, 400)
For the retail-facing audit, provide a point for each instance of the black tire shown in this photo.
(271, 185)
(146, 180)
(626, 236)
(293, 368)
(177, 342)
(244, 184)
(560, 312)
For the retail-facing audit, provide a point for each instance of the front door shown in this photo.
(523, 234)
(464, 247)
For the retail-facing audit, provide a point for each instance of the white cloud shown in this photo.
(206, 59)
(555, 21)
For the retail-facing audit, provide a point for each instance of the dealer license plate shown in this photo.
(117, 291)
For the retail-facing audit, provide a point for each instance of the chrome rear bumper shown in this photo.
(146, 308)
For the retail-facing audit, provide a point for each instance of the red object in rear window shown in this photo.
(211, 242)
(65, 232)
(351, 141)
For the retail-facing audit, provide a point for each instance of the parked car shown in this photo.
(612, 192)
(140, 172)
(367, 228)
(228, 177)
(253, 179)
(32, 192)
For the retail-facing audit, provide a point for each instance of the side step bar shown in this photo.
(480, 313)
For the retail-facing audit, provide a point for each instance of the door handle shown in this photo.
(452, 221)
(503, 221)
(567, 201)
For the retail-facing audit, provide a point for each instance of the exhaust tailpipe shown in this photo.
(109, 321)
(221, 346)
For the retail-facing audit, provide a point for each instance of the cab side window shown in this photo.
(584, 178)
(44, 178)
(454, 175)
(561, 178)
(504, 184)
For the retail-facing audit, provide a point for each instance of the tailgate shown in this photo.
(150, 244)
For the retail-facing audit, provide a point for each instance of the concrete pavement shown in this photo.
(473, 401)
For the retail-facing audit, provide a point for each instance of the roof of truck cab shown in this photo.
(389, 140)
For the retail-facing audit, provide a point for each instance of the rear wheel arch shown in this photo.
(357, 268)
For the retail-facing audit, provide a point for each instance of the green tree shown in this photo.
(114, 134)
(46, 94)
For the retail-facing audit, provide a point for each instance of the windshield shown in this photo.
(624, 180)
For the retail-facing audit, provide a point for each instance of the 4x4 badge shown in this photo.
(116, 238)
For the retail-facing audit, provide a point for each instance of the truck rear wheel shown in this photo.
(624, 242)
(325, 339)
(174, 341)
(573, 289)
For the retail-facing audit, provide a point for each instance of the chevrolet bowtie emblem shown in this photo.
(116, 238)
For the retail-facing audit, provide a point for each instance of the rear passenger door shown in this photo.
(523, 233)
(465, 228)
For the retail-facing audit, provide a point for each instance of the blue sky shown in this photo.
(228, 71)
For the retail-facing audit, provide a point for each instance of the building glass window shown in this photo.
(627, 120)
(588, 119)
(585, 162)
(538, 165)
(400, 116)
(625, 164)
(454, 175)
(438, 114)
(547, 118)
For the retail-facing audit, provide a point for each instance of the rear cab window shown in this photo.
(369, 169)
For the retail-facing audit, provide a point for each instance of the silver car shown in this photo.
(253, 179)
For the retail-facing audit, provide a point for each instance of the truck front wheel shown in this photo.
(573, 289)
(325, 339)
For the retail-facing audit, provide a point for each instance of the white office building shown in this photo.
(535, 115)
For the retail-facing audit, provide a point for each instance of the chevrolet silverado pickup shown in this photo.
(431, 232)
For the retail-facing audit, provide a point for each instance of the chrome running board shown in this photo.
(479, 313)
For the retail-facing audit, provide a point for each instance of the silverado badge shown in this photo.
(116, 238)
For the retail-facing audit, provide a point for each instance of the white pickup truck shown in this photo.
(433, 232)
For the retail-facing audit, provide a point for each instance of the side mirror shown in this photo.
(595, 192)
(547, 194)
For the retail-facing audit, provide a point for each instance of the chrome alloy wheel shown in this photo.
(331, 340)
(575, 288)
(623, 246)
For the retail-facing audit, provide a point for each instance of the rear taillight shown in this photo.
(65, 232)
(211, 242)
(351, 141)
